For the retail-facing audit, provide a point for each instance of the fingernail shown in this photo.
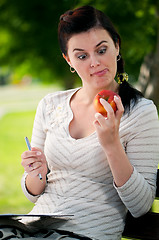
(116, 97)
(97, 115)
(102, 100)
(38, 153)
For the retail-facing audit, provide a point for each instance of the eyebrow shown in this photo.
(80, 49)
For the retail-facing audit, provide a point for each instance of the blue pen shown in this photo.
(29, 148)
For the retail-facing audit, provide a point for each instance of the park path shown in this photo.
(22, 98)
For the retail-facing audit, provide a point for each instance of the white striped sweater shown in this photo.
(80, 181)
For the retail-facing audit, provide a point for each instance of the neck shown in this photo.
(87, 94)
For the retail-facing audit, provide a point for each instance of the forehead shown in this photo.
(88, 39)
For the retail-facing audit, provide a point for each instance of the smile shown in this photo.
(100, 73)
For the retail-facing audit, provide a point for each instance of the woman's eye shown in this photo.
(82, 57)
(102, 51)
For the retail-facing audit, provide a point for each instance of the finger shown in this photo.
(108, 108)
(36, 149)
(30, 154)
(100, 120)
(29, 161)
(34, 173)
(33, 166)
(120, 108)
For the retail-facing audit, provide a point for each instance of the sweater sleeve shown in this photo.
(38, 140)
(142, 149)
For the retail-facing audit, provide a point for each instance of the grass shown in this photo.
(13, 128)
(20, 102)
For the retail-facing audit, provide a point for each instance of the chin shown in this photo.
(103, 86)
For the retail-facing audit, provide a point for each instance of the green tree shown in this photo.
(28, 31)
(149, 72)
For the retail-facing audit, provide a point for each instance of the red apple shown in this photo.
(109, 97)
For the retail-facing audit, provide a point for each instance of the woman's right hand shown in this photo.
(34, 162)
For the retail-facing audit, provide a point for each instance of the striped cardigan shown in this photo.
(80, 181)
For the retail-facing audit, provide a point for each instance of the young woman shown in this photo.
(96, 168)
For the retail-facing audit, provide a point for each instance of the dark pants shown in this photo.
(12, 233)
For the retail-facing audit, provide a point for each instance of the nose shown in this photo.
(94, 62)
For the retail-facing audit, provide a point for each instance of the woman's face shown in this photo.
(93, 55)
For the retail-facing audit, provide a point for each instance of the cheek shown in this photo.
(81, 71)
(81, 67)
(113, 59)
(115, 65)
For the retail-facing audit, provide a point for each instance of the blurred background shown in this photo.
(31, 65)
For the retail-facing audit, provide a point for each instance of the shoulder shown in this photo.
(143, 106)
(140, 106)
(140, 122)
(143, 112)
(55, 98)
(142, 115)
(59, 95)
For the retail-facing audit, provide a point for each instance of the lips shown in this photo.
(100, 73)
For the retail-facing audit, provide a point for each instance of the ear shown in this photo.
(117, 48)
(66, 58)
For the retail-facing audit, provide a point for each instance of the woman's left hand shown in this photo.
(108, 128)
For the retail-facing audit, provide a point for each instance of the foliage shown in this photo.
(28, 31)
